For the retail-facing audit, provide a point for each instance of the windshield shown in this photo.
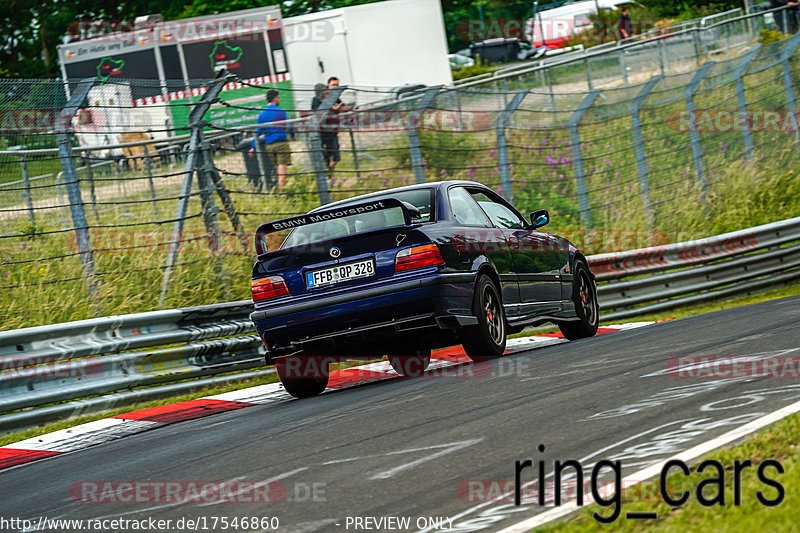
(422, 199)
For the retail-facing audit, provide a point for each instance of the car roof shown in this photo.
(437, 185)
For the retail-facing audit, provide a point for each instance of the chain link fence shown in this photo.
(112, 204)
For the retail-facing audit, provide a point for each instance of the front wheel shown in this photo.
(488, 338)
(584, 295)
(411, 366)
(303, 377)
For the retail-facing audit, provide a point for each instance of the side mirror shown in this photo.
(540, 218)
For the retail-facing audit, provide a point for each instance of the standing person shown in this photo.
(624, 27)
(275, 137)
(792, 21)
(329, 134)
(778, 15)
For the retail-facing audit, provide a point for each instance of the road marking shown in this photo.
(246, 488)
(453, 447)
(655, 469)
(582, 460)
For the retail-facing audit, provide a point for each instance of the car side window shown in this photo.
(464, 208)
(500, 215)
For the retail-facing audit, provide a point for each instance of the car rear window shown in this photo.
(422, 199)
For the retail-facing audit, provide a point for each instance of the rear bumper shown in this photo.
(401, 312)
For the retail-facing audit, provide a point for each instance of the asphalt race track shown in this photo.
(410, 447)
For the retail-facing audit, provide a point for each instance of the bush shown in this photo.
(480, 67)
(770, 36)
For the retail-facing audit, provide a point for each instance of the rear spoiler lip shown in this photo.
(321, 216)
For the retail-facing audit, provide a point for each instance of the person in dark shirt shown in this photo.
(786, 19)
(624, 27)
(328, 132)
(275, 138)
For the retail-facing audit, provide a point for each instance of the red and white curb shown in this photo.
(116, 427)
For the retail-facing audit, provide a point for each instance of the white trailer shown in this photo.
(373, 46)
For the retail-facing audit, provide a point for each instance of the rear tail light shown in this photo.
(269, 287)
(418, 257)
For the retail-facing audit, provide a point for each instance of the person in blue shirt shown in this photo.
(275, 138)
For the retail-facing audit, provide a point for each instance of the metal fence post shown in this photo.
(71, 183)
(638, 146)
(210, 210)
(661, 56)
(354, 149)
(788, 83)
(694, 135)
(222, 192)
(623, 63)
(503, 119)
(150, 180)
(550, 88)
(196, 124)
(458, 105)
(696, 40)
(414, 144)
(87, 163)
(27, 182)
(588, 69)
(741, 99)
(575, 140)
(315, 144)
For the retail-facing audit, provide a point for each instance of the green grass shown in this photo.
(778, 442)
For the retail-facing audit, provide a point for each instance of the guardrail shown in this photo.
(55, 363)
(647, 280)
(48, 364)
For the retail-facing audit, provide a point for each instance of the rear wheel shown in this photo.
(303, 377)
(584, 295)
(411, 366)
(488, 338)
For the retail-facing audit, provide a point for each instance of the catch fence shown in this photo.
(111, 206)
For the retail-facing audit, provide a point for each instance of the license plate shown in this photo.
(340, 273)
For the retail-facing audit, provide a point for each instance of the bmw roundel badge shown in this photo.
(335, 252)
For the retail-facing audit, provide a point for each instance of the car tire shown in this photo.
(411, 366)
(488, 338)
(584, 295)
(303, 377)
